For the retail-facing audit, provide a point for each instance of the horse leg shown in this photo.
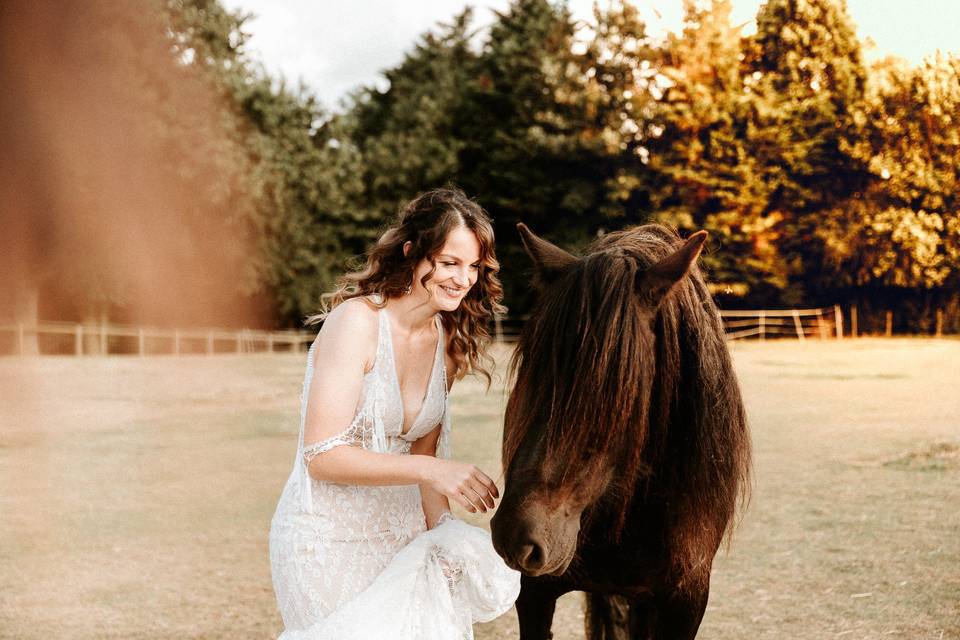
(535, 607)
(642, 619)
(678, 616)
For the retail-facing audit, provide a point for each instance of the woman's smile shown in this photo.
(453, 291)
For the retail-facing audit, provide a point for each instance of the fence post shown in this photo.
(104, 350)
(176, 342)
(239, 343)
(820, 326)
(853, 321)
(140, 341)
(939, 323)
(801, 335)
(838, 318)
(270, 342)
(889, 329)
(763, 325)
(78, 340)
(209, 342)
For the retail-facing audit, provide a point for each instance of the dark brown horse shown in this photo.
(625, 441)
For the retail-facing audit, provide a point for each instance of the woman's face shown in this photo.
(457, 269)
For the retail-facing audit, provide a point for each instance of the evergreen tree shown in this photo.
(547, 134)
(405, 136)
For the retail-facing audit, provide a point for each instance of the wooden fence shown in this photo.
(104, 339)
(67, 338)
(824, 323)
(777, 323)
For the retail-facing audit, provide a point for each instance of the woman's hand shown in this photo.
(463, 483)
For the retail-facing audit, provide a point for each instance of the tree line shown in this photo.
(821, 178)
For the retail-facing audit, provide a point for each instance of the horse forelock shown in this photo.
(583, 357)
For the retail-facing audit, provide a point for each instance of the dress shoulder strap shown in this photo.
(440, 360)
(384, 357)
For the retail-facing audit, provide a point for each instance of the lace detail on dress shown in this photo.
(446, 515)
(347, 437)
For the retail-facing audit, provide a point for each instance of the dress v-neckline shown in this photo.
(396, 376)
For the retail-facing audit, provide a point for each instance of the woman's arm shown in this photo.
(345, 349)
(435, 504)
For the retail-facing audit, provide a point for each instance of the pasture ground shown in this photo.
(136, 494)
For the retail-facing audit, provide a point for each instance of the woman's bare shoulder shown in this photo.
(350, 331)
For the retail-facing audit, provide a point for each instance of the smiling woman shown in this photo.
(362, 544)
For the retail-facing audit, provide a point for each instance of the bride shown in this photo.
(362, 544)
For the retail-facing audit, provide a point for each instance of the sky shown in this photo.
(335, 46)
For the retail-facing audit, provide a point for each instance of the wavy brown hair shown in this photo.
(425, 222)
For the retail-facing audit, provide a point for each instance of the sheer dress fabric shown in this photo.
(353, 562)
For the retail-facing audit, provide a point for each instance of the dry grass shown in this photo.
(135, 494)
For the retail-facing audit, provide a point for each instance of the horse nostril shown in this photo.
(530, 556)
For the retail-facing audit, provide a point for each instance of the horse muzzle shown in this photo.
(533, 541)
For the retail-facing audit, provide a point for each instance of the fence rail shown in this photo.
(104, 339)
(774, 323)
(824, 323)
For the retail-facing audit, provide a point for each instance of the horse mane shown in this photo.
(685, 443)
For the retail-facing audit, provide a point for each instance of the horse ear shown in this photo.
(548, 259)
(656, 281)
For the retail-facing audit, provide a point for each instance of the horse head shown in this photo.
(576, 424)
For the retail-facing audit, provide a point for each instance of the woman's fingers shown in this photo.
(471, 503)
(471, 496)
(479, 497)
(483, 495)
(463, 502)
(475, 491)
(489, 484)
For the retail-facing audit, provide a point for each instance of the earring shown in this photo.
(407, 291)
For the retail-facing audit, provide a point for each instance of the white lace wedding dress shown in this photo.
(354, 562)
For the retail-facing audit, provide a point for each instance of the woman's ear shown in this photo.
(406, 248)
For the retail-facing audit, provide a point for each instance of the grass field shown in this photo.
(136, 494)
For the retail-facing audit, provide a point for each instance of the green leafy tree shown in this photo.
(708, 175)
(520, 152)
(617, 100)
(806, 79)
(304, 183)
(896, 242)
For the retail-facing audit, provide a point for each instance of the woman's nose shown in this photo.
(461, 277)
